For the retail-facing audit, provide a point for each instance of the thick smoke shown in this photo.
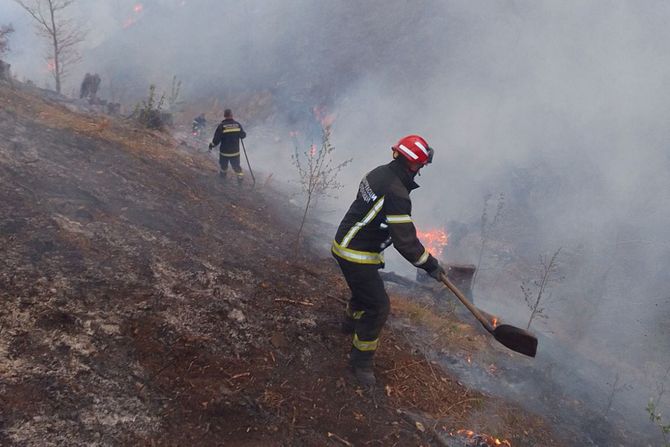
(560, 106)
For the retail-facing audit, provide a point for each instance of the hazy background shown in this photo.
(562, 106)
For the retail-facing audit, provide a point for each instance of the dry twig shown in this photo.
(403, 367)
(337, 438)
(237, 376)
(286, 300)
(444, 413)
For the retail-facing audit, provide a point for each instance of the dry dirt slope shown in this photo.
(144, 302)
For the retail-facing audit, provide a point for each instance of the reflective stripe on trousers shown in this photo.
(365, 345)
(368, 297)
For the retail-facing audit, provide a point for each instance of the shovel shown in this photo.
(248, 164)
(516, 339)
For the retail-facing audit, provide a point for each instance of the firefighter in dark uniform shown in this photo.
(379, 217)
(228, 134)
(199, 124)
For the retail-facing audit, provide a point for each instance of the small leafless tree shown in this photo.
(487, 227)
(175, 89)
(535, 290)
(63, 34)
(5, 31)
(615, 387)
(655, 414)
(318, 174)
(149, 112)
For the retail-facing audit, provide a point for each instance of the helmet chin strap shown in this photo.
(405, 163)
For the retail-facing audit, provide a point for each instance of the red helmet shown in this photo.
(415, 149)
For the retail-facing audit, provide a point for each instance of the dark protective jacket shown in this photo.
(228, 134)
(381, 216)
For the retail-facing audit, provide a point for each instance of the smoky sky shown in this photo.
(563, 106)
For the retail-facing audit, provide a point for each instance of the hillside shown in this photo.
(146, 302)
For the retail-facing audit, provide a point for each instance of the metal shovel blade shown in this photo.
(516, 339)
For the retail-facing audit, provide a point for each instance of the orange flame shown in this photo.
(132, 20)
(494, 322)
(434, 240)
(326, 119)
(479, 438)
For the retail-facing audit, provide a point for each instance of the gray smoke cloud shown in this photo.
(562, 106)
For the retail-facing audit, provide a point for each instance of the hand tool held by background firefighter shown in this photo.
(244, 149)
(514, 338)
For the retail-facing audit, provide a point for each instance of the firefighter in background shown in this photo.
(199, 124)
(89, 87)
(228, 135)
(380, 216)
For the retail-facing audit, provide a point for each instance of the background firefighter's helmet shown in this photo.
(414, 149)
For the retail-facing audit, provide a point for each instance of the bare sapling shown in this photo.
(615, 388)
(149, 112)
(5, 31)
(175, 89)
(63, 34)
(318, 175)
(655, 415)
(486, 229)
(534, 291)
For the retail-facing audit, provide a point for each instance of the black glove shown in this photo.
(211, 146)
(437, 272)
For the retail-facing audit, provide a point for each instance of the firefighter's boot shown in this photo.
(223, 174)
(362, 366)
(240, 178)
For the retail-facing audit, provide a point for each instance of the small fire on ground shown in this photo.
(434, 241)
(472, 439)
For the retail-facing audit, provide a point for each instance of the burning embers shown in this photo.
(434, 241)
(468, 438)
(138, 8)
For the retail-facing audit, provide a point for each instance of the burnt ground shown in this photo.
(146, 302)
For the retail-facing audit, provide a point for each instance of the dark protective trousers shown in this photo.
(369, 308)
(234, 162)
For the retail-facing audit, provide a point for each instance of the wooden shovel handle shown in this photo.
(471, 307)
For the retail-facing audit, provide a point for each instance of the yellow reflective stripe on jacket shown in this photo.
(233, 129)
(356, 315)
(225, 154)
(423, 258)
(366, 220)
(359, 257)
(365, 345)
(398, 218)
